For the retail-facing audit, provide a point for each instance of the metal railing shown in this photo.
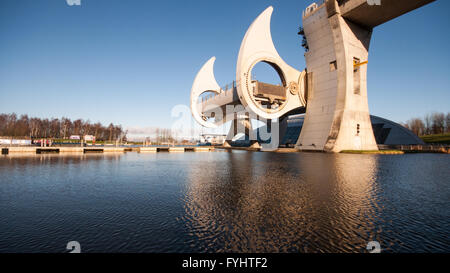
(311, 8)
(223, 90)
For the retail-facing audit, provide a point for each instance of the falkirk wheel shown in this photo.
(331, 92)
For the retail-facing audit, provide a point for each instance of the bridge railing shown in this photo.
(222, 91)
(311, 8)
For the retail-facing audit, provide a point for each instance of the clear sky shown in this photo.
(131, 62)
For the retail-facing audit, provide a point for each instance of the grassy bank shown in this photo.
(381, 152)
(438, 139)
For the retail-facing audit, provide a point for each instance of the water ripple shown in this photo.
(225, 202)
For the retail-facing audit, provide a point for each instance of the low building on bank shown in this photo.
(14, 141)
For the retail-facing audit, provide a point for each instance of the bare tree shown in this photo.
(428, 124)
(24, 126)
(66, 127)
(417, 126)
(438, 123)
(447, 123)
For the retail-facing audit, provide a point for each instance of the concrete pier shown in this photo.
(72, 150)
(61, 150)
(20, 149)
(201, 149)
(148, 150)
(176, 150)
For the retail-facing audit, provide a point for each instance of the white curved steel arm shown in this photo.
(257, 46)
(204, 82)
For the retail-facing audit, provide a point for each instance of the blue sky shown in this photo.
(131, 62)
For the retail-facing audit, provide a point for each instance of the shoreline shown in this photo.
(404, 149)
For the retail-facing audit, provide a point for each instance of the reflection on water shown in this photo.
(306, 203)
(224, 202)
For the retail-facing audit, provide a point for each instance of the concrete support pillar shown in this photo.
(240, 125)
(337, 114)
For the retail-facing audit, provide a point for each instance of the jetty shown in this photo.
(99, 149)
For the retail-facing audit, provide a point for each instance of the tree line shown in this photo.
(430, 124)
(13, 126)
(24, 126)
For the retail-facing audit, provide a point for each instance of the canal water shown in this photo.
(225, 202)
